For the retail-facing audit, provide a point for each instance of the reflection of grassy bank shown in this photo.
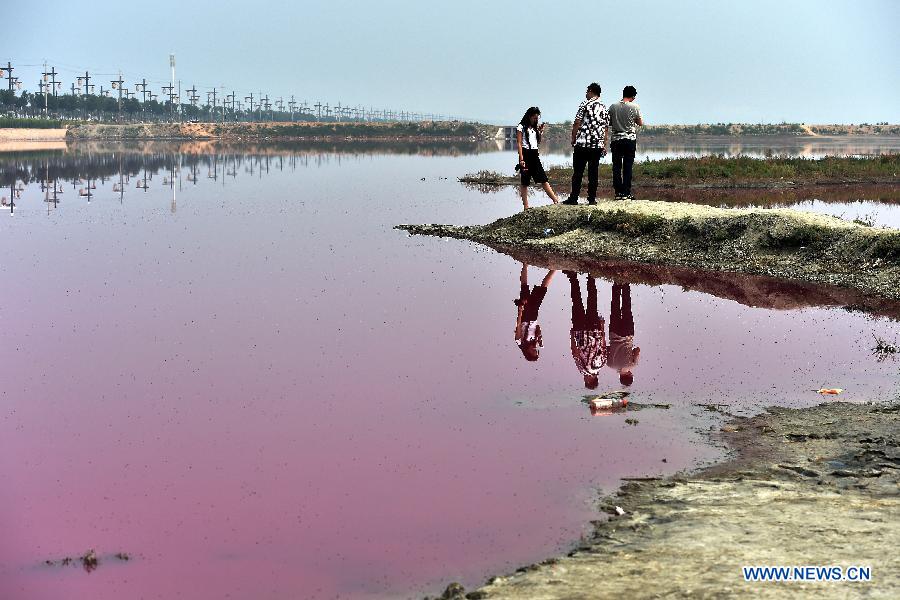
(749, 290)
(741, 171)
(776, 242)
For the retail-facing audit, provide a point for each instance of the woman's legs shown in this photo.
(550, 192)
(523, 190)
(546, 281)
(536, 171)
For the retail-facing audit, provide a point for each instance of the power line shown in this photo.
(340, 111)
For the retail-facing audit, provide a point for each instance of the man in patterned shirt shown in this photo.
(588, 334)
(590, 136)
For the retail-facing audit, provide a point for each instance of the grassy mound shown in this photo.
(780, 243)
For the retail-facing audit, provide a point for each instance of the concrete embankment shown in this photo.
(782, 243)
(17, 140)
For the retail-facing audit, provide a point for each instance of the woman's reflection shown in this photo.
(528, 331)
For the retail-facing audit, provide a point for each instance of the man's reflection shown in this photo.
(622, 355)
(528, 331)
(588, 334)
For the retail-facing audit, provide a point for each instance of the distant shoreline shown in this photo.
(425, 131)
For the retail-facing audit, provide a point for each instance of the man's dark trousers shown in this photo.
(623, 161)
(621, 321)
(582, 156)
(581, 319)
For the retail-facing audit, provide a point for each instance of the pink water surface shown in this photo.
(261, 390)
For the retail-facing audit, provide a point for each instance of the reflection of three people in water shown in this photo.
(590, 349)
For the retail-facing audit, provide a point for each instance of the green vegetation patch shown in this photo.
(887, 248)
(626, 223)
(19, 123)
(731, 169)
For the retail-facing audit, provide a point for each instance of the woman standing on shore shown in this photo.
(528, 137)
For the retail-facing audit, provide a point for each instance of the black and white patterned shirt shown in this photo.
(594, 122)
(589, 350)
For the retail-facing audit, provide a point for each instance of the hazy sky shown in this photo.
(813, 61)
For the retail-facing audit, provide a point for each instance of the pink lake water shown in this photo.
(253, 385)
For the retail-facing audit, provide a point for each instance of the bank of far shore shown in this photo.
(729, 173)
(420, 130)
(816, 486)
(246, 131)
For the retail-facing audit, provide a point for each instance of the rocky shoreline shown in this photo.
(813, 486)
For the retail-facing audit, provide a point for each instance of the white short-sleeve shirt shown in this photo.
(529, 137)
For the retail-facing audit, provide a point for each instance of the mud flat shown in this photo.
(815, 486)
(782, 243)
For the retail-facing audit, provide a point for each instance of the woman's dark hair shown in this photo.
(629, 92)
(526, 121)
(530, 350)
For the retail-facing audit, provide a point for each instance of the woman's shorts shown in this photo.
(535, 170)
(532, 300)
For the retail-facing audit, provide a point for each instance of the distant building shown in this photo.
(506, 133)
